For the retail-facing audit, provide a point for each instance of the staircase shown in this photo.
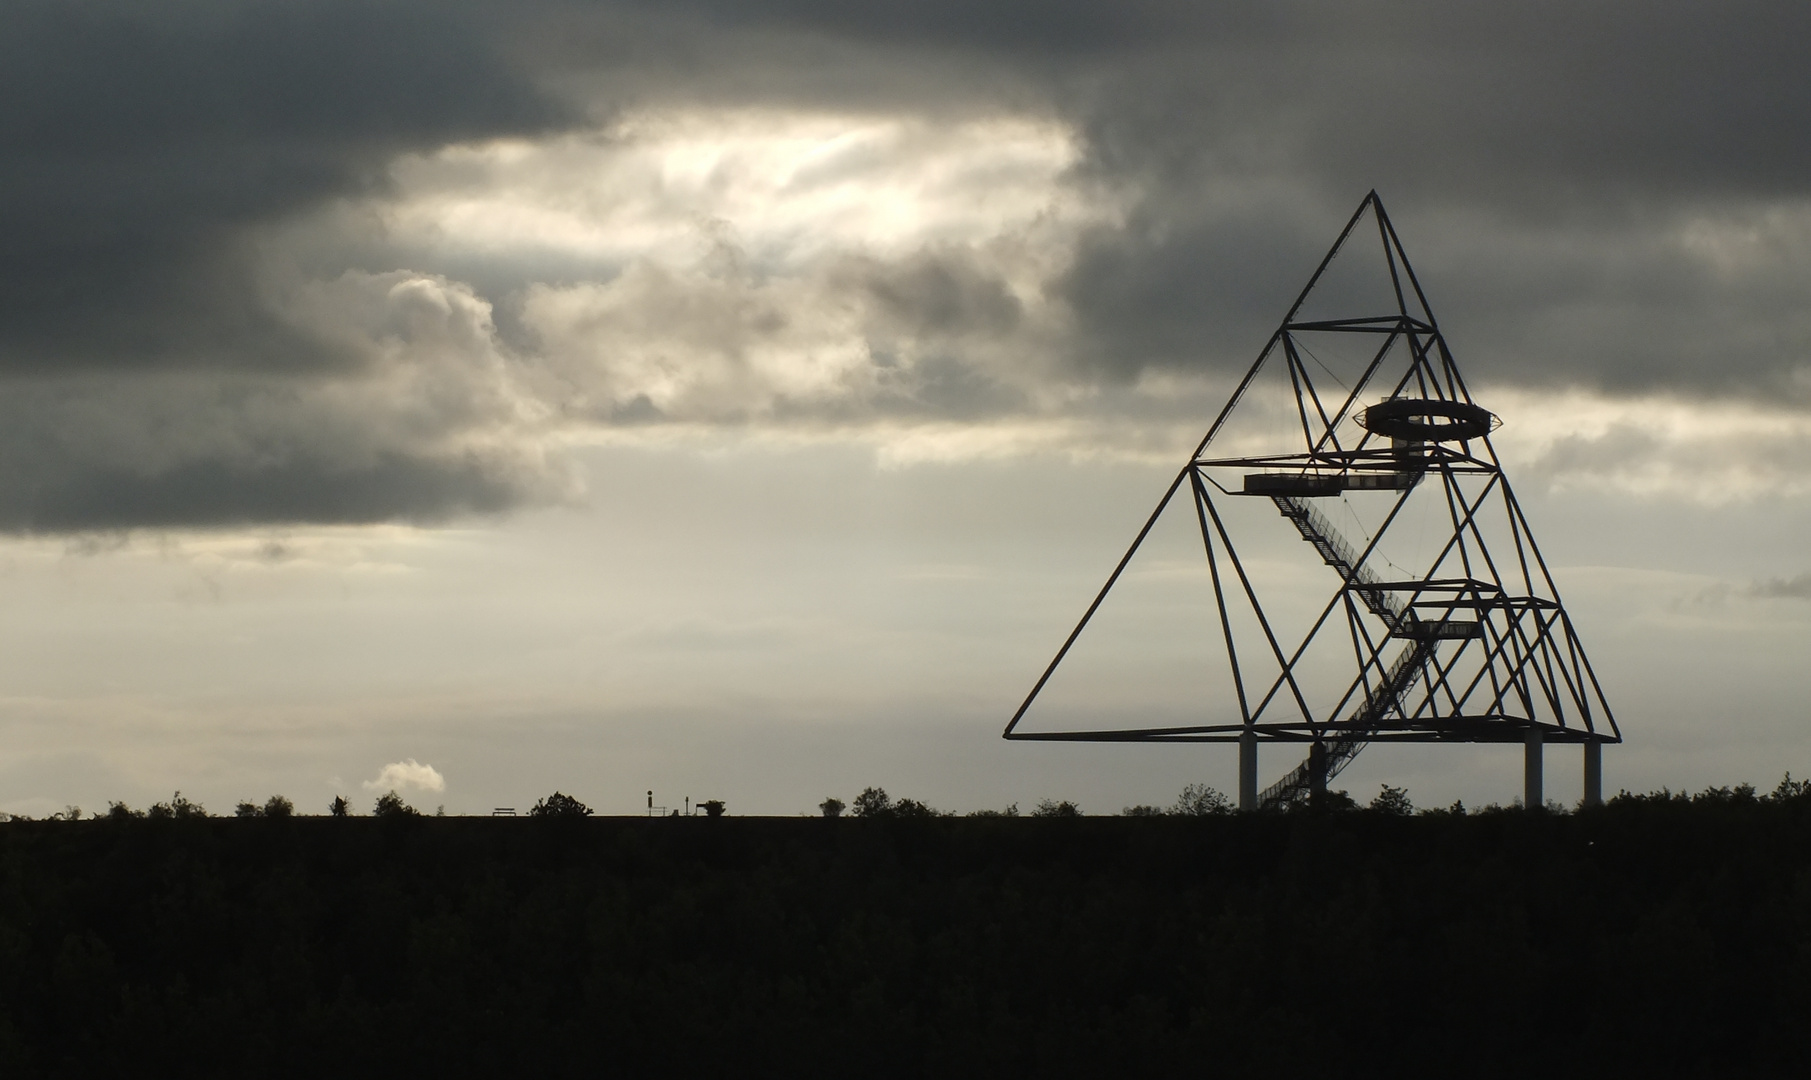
(1342, 748)
(1338, 553)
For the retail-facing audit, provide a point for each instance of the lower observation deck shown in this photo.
(1312, 485)
(1438, 629)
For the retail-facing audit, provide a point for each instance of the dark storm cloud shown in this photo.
(1025, 28)
(1538, 159)
(1542, 162)
(221, 493)
(139, 139)
(1595, 99)
(141, 144)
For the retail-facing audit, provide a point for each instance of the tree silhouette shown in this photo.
(1118, 947)
(390, 804)
(559, 805)
(876, 803)
(1335, 800)
(912, 808)
(177, 807)
(1010, 811)
(1199, 800)
(1393, 801)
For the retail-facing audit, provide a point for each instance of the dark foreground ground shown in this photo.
(1657, 936)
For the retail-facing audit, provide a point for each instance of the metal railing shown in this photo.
(1338, 553)
(1342, 748)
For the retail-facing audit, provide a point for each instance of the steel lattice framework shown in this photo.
(1474, 646)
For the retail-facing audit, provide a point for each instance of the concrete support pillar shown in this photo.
(1248, 772)
(1531, 771)
(1593, 773)
(1317, 774)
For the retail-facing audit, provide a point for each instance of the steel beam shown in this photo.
(1531, 770)
(1248, 771)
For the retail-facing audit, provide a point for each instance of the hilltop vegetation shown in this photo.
(1665, 932)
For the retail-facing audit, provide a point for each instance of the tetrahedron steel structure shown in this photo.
(1468, 643)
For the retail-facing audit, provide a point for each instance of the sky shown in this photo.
(742, 401)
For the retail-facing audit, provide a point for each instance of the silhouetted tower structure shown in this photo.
(1471, 645)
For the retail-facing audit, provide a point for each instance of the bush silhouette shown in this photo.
(1047, 808)
(1108, 947)
(279, 807)
(1010, 811)
(177, 807)
(1335, 800)
(912, 808)
(1393, 801)
(1199, 800)
(390, 804)
(873, 802)
(876, 803)
(559, 805)
(831, 807)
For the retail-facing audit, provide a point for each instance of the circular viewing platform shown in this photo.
(1428, 420)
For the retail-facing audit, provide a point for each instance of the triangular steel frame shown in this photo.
(1475, 648)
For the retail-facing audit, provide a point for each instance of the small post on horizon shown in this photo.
(1531, 770)
(1248, 771)
(1593, 773)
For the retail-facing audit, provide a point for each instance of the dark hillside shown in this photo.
(1656, 934)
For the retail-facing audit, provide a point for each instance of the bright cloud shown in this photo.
(792, 185)
(886, 279)
(405, 774)
(732, 266)
(1694, 451)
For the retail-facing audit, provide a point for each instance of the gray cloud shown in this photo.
(1541, 162)
(1557, 170)
(143, 146)
(141, 141)
(1608, 195)
(1794, 588)
(216, 493)
(936, 293)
